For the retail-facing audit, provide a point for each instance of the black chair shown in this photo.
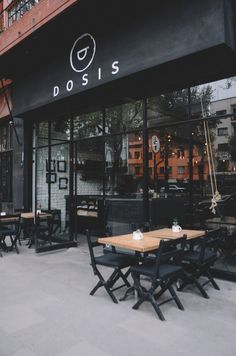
(56, 220)
(9, 226)
(216, 238)
(112, 260)
(161, 273)
(41, 231)
(22, 224)
(198, 260)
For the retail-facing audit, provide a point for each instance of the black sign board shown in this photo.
(91, 57)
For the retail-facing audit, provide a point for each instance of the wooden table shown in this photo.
(169, 234)
(6, 219)
(147, 244)
(31, 215)
(151, 240)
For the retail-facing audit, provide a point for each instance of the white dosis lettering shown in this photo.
(84, 80)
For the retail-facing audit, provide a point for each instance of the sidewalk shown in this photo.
(46, 310)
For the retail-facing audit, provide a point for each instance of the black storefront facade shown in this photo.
(94, 99)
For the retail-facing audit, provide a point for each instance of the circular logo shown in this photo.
(82, 52)
(155, 144)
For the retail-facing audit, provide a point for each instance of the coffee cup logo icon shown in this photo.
(82, 52)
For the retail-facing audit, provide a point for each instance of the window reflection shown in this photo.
(41, 128)
(167, 108)
(124, 165)
(124, 181)
(170, 164)
(124, 117)
(60, 129)
(88, 125)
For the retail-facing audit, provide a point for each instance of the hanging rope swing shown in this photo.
(212, 173)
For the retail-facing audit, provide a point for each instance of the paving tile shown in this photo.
(83, 348)
(47, 311)
(18, 318)
(8, 344)
(24, 352)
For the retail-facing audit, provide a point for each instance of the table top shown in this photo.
(31, 215)
(91, 213)
(126, 241)
(169, 234)
(8, 219)
(151, 240)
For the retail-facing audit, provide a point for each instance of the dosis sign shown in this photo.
(81, 57)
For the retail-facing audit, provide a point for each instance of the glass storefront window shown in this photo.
(54, 200)
(5, 163)
(41, 178)
(110, 188)
(89, 179)
(125, 117)
(124, 181)
(60, 129)
(41, 128)
(168, 183)
(124, 165)
(167, 108)
(201, 98)
(88, 125)
(6, 176)
(215, 169)
(5, 137)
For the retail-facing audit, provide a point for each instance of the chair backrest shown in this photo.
(213, 237)
(209, 240)
(9, 220)
(55, 220)
(170, 251)
(201, 244)
(42, 219)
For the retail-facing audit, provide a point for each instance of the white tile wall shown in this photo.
(58, 201)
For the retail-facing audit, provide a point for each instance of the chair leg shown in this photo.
(182, 282)
(213, 282)
(106, 284)
(176, 298)
(164, 287)
(139, 302)
(123, 277)
(16, 247)
(98, 285)
(14, 244)
(156, 307)
(128, 292)
(201, 289)
(115, 277)
(111, 294)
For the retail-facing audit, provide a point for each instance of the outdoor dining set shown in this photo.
(24, 225)
(156, 260)
(160, 261)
